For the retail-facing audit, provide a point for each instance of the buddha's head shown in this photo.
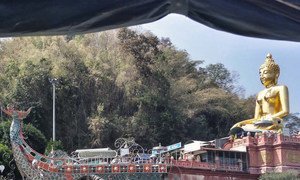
(269, 72)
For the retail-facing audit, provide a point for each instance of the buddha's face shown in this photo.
(268, 76)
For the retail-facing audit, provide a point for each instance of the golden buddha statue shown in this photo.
(272, 103)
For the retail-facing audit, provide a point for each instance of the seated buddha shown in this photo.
(272, 103)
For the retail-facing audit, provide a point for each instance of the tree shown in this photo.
(219, 76)
(292, 122)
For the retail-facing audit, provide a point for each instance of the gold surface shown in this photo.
(272, 103)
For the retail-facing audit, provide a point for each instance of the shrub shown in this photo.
(288, 175)
(53, 145)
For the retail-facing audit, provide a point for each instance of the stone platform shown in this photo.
(270, 152)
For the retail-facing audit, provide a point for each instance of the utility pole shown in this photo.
(53, 81)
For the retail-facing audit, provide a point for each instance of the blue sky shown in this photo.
(241, 54)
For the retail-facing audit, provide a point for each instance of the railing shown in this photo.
(276, 139)
(267, 138)
(207, 166)
(293, 139)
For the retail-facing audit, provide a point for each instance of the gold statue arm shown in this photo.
(258, 110)
(284, 99)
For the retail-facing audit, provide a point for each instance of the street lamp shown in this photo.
(53, 81)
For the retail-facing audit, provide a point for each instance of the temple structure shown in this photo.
(242, 158)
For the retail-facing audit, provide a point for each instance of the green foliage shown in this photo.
(53, 145)
(288, 175)
(3, 178)
(34, 137)
(118, 84)
(219, 76)
(292, 122)
(4, 132)
(5, 157)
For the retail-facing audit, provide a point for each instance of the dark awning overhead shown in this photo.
(272, 19)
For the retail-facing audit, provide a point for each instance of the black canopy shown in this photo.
(272, 19)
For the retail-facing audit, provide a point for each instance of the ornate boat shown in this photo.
(33, 165)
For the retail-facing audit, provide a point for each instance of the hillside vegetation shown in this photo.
(120, 83)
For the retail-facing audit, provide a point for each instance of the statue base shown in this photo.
(270, 152)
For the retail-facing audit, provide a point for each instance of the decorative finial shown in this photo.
(269, 59)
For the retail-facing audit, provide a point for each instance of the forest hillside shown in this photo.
(119, 83)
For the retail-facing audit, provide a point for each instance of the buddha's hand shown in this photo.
(268, 117)
(275, 120)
